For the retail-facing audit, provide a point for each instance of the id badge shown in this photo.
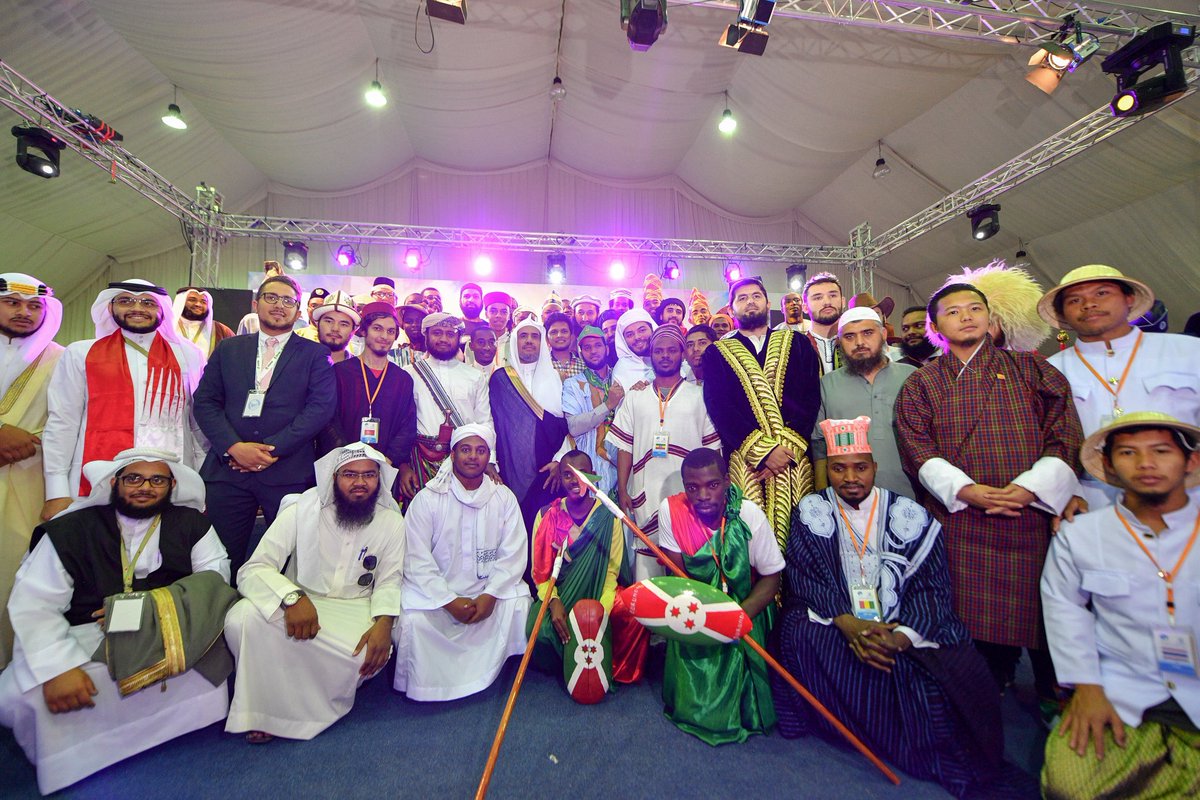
(368, 431)
(662, 442)
(866, 603)
(126, 614)
(1175, 651)
(254, 403)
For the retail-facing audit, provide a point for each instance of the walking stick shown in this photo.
(755, 646)
(490, 767)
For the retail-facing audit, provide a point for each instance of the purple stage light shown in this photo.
(345, 256)
(483, 264)
(412, 258)
(616, 270)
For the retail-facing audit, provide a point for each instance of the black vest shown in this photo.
(88, 543)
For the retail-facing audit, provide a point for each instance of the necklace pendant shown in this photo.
(1162, 574)
(1118, 411)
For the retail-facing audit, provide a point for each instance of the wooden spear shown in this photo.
(753, 645)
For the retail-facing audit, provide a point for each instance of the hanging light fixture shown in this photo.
(881, 167)
(985, 221)
(728, 124)
(374, 95)
(295, 255)
(174, 117)
(557, 90)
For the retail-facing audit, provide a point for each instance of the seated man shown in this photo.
(869, 628)
(322, 591)
(465, 602)
(1122, 606)
(141, 528)
(595, 546)
(720, 694)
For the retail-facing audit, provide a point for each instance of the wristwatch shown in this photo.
(291, 598)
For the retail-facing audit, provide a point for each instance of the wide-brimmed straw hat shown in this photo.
(1143, 297)
(1092, 452)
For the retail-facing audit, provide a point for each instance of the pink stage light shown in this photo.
(345, 256)
(483, 264)
(733, 272)
(616, 270)
(671, 270)
(412, 258)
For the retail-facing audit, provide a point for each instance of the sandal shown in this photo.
(258, 737)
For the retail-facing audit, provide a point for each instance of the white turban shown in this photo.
(30, 347)
(540, 378)
(188, 491)
(443, 481)
(328, 464)
(630, 367)
(858, 314)
(438, 318)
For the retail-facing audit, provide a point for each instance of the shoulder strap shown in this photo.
(440, 395)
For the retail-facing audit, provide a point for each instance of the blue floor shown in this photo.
(621, 748)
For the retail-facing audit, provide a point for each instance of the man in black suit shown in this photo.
(263, 399)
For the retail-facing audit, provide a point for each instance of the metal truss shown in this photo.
(1070, 141)
(83, 137)
(384, 233)
(862, 271)
(205, 239)
(1027, 22)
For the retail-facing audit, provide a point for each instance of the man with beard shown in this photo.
(433, 299)
(249, 323)
(653, 431)
(587, 308)
(824, 303)
(321, 594)
(262, 401)
(498, 307)
(589, 400)
(560, 337)
(918, 350)
(1114, 368)
(470, 302)
(131, 386)
(449, 394)
(1115, 629)
(483, 350)
(792, 306)
(194, 319)
(620, 300)
(633, 332)
(412, 315)
(335, 321)
(383, 290)
(993, 437)
(30, 316)
(375, 402)
(140, 529)
(865, 385)
(761, 389)
(527, 411)
(464, 601)
(607, 322)
(699, 337)
(670, 310)
(315, 299)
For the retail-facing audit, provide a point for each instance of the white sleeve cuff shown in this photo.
(944, 481)
(58, 485)
(1052, 481)
(917, 639)
(817, 618)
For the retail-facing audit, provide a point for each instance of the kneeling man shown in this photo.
(140, 529)
(465, 603)
(322, 591)
(869, 628)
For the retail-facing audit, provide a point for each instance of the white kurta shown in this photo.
(1165, 377)
(293, 688)
(66, 425)
(71, 746)
(461, 543)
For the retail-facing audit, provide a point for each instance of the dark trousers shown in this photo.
(232, 509)
(1002, 661)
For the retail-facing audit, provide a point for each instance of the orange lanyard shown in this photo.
(862, 551)
(662, 403)
(367, 387)
(717, 561)
(1168, 577)
(1110, 384)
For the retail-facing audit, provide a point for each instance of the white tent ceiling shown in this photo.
(272, 91)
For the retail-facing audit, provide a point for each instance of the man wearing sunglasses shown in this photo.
(322, 591)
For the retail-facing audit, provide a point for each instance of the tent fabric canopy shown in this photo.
(272, 92)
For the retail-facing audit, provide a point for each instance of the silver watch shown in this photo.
(291, 598)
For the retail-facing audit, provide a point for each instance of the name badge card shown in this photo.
(126, 614)
(254, 403)
(866, 603)
(661, 445)
(1175, 651)
(368, 432)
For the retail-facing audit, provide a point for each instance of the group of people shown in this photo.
(899, 516)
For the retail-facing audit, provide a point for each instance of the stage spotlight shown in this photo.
(556, 268)
(295, 255)
(37, 151)
(483, 264)
(1162, 45)
(985, 221)
(449, 10)
(733, 271)
(1069, 48)
(346, 257)
(412, 258)
(670, 270)
(796, 275)
(174, 117)
(616, 269)
(745, 38)
(643, 21)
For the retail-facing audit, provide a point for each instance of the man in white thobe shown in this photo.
(193, 308)
(65, 710)
(465, 603)
(131, 386)
(321, 594)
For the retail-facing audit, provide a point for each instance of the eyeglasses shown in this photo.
(355, 477)
(270, 298)
(369, 564)
(132, 302)
(133, 480)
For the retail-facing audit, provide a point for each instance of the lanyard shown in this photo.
(1168, 577)
(367, 387)
(195, 337)
(139, 348)
(261, 372)
(862, 551)
(1113, 385)
(127, 567)
(717, 561)
(662, 403)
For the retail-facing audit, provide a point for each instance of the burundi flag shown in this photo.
(687, 611)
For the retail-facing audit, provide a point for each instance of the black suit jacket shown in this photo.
(299, 403)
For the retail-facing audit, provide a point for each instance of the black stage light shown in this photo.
(985, 221)
(449, 10)
(295, 255)
(556, 268)
(1161, 45)
(37, 151)
(796, 275)
(643, 21)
